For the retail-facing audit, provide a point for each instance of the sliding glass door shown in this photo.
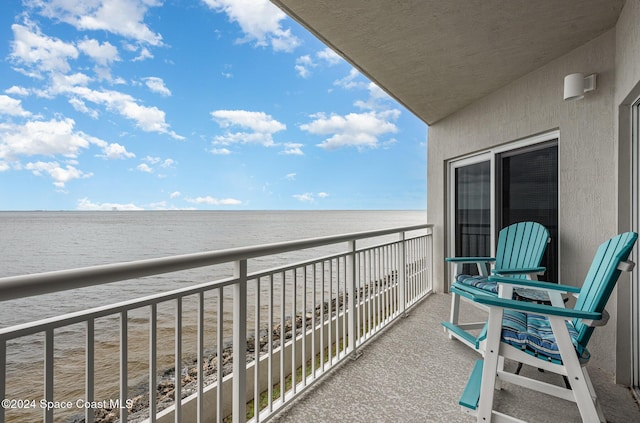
(497, 188)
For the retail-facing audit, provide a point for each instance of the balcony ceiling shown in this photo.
(435, 57)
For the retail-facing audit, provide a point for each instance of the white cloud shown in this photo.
(309, 197)
(360, 130)
(208, 200)
(86, 204)
(39, 52)
(291, 148)
(103, 54)
(81, 107)
(290, 176)
(376, 92)
(262, 125)
(116, 151)
(46, 54)
(12, 107)
(144, 55)
(256, 121)
(156, 85)
(159, 205)
(228, 138)
(59, 175)
(260, 21)
(174, 194)
(378, 99)
(143, 167)
(48, 138)
(15, 90)
(303, 66)
(149, 119)
(157, 160)
(350, 81)
(61, 84)
(152, 160)
(122, 17)
(220, 151)
(329, 56)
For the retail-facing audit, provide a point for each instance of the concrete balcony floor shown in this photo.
(413, 373)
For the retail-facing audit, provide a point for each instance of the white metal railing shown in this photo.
(289, 326)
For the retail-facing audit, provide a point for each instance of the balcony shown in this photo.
(365, 295)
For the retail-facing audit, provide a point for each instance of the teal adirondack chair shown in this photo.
(548, 337)
(518, 255)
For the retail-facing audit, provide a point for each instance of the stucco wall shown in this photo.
(627, 50)
(587, 148)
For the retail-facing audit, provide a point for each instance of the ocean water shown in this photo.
(33, 242)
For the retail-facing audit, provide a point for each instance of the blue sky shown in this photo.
(192, 104)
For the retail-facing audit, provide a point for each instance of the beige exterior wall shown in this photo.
(589, 152)
(586, 149)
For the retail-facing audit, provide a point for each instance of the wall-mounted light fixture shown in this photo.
(576, 84)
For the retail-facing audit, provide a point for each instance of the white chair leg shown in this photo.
(594, 397)
(455, 308)
(491, 364)
(577, 378)
(455, 304)
(500, 369)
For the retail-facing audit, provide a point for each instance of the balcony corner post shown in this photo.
(240, 342)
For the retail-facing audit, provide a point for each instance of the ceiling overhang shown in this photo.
(436, 57)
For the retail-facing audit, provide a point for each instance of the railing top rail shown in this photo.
(42, 283)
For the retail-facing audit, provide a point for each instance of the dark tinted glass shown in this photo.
(529, 182)
(473, 212)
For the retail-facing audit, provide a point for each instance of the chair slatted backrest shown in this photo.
(521, 245)
(601, 279)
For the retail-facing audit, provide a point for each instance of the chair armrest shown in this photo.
(525, 270)
(535, 308)
(470, 259)
(535, 284)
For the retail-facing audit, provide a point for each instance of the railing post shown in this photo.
(48, 374)
(89, 370)
(240, 342)
(153, 354)
(124, 368)
(177, 387)
(352, 304)
(402, 271)
(430, 257)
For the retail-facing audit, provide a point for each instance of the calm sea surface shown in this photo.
(32, 242)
